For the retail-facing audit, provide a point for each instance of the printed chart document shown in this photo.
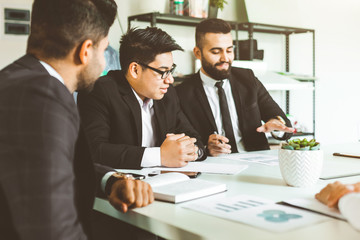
(257, 212)
(205, 167)
(266, 159)
(316, 206)
(177, 187)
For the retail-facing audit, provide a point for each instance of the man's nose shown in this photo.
(169, 79)
(225, 57)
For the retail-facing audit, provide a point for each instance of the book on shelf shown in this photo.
(177, 187)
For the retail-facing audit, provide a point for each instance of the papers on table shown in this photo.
(257, 212)
(316, 206)
(205, 167)
(271, 160)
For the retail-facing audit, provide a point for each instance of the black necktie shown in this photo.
(225, 115)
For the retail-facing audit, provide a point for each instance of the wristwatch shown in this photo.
(115, 177)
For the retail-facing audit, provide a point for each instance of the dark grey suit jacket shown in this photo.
(252, 101)
(45, 192)
(111, 119)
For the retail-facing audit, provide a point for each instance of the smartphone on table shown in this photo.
(189, 174)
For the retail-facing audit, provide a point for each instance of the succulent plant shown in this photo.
(218, 3)
(302, 145)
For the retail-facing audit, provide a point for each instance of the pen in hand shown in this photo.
(221, 142)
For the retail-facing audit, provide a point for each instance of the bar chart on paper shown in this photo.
(221, 207)
(257, 212)
(238, 205)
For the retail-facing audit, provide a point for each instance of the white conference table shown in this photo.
(171, 221)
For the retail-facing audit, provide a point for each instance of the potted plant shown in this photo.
(301, 162)
(214, 5)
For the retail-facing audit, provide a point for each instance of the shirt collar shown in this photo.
(148, 101)
(208, 81)
(52, 71)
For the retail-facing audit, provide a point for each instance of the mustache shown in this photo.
(219, 63)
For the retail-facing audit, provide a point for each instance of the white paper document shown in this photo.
(205, 167)
(271, 160)
(316, 206)
(257, 212)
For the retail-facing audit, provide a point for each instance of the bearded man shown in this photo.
(226, 105)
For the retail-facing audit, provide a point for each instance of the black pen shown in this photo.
(345, 155)
(215, 132)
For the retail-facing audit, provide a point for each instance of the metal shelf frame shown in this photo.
(155, 18)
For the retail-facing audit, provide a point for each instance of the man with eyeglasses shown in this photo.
(132, 118)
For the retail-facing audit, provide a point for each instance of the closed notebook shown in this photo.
(177, 187)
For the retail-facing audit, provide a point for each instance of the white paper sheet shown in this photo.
(257, 212)
(205, 167)
(316, 206)
(271, 160)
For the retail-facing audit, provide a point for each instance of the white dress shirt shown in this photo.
(52, 71)
(349, 206)
(211, 92)
(151, 155)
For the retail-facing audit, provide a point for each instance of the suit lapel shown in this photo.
(161, 123)
(133, 104)
(204, 103)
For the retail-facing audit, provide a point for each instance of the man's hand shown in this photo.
(130, 193)
(331, 194)
(177, 150)
(217, 145)
(274, 124)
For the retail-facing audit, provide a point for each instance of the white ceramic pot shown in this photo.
(300, 168)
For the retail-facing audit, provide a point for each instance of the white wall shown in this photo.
(11, 47)
(337, 54)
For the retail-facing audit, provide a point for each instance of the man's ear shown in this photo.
(197, 52)
(134, 70)
(85, 52)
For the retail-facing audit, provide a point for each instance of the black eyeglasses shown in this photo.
(164, 74)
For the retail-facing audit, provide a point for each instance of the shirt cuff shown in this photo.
(349, 206)
(151, 157)
(104, 180)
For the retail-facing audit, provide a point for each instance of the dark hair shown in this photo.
(142, 45)
(211, 25)
(57, 26)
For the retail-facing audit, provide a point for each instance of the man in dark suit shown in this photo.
(225, 104)
(46, 189)
(132, 118)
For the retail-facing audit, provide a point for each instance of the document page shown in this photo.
(266, 159)
(257, 212)
(316, 206)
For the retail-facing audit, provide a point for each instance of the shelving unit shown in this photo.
(155, 18)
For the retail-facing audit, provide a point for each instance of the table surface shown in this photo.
(171, 221)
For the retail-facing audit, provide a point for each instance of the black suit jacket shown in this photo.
(252, 101)
(111, 119)
(45, 193)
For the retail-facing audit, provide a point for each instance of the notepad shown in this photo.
(177, 187)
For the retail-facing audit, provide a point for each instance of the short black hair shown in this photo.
(57, 26)
(211, 25)
(143, 45)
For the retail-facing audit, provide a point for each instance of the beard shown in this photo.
(88, 76)
(214, 72)
(85, 82)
